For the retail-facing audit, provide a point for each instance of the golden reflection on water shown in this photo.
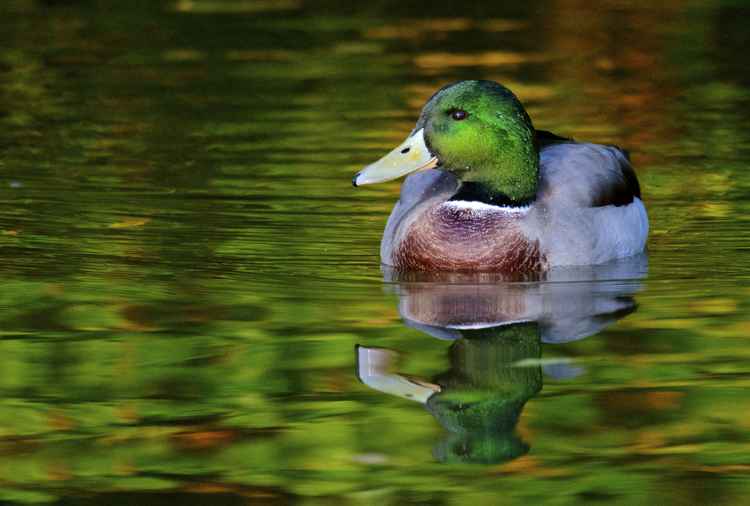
(235, 6)
(440, 27)
(261, 55)
(183, 55)
(440, 61)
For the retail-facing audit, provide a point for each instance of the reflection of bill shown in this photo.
(375, 368)
(495, 363)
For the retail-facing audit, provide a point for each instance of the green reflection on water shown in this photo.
(186, 270)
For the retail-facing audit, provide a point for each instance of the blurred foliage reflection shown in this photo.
(186, 271)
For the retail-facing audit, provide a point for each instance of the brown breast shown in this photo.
(455, 237)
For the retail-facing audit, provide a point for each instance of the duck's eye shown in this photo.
(458, 114)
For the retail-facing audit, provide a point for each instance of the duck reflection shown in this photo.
(495, 359)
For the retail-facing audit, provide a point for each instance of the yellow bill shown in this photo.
(410, 156)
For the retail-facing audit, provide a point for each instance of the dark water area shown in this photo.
(192, 309)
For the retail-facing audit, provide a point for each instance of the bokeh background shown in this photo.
(185, 268)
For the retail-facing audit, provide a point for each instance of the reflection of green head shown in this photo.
(480, 449)
(484, 392)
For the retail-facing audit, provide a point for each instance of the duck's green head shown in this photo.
(479, 131)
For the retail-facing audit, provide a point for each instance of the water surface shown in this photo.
(188, 277)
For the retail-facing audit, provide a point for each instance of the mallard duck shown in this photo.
(489, 192)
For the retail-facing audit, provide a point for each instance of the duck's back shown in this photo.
(589, 208)
(587, 175)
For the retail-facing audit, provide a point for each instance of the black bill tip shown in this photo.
(354, 179)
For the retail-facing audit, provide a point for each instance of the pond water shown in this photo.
(192, 307)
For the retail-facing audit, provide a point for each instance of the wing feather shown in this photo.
(587, 175)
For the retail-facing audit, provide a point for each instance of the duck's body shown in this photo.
(587, 211)
(571, 204)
